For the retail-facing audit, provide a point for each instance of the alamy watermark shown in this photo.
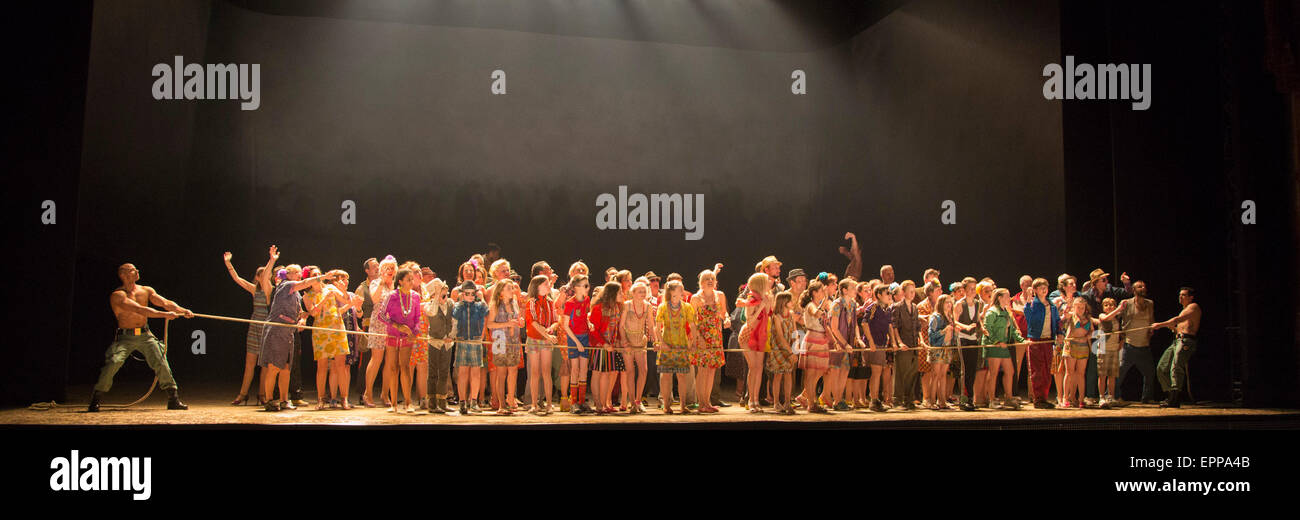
(213, 81)
(655, 211)
(75, 473)
(1105, 81)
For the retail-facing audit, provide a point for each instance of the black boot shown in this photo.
(95, 396)
(1174, 400)
(174, 401)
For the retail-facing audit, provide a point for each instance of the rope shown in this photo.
(606, 348)
(49, 405)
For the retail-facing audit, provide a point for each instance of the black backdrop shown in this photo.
(908, 105)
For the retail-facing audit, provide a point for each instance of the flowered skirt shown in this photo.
(325, 345)
(673, 359)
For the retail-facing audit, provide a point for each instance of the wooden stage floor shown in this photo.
(211, 408)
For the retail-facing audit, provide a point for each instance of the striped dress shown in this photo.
(253, 345)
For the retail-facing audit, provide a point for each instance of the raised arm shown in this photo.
(243, 284)
(265, 282)
(854, 269)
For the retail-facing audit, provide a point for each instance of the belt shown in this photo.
(138, 331)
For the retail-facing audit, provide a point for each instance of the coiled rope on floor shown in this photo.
(49, 405)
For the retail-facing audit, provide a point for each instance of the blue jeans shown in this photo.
(1139, 357)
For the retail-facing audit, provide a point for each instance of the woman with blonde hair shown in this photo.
(326, 303)
(754, 335)
(636, 332)
(504, 322)
(710, 306)
(1077, 328)
(380, 356)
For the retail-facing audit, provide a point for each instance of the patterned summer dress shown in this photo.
(420, 349)
(709, 328)
(673, 358)
(377, 323)
(514, 354)
(253, 345)
(607, 332)
(325, 345)
(782, 360)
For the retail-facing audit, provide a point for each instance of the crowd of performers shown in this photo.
(846, 343)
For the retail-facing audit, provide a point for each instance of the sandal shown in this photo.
(504, 411)
(241, 399)
(365, 400)
(668, 410)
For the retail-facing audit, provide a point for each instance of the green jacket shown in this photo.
(1001, 329)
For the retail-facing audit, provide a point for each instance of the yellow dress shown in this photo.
(327, 344)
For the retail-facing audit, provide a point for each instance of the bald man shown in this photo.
(130, 304)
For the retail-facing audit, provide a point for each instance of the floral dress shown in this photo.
(673, 358)
(513, 355)
(709, 328)
(327, 344)
(377, 323)
(782, 359)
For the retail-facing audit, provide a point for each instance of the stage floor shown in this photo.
(211, 408)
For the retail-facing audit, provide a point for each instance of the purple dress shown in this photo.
(396, 316)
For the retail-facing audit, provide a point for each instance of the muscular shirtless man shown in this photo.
(130, 303)
(1172, 368)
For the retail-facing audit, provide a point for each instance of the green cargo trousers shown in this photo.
(128, 341)
(1172, 368)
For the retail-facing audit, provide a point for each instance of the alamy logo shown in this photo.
(102, 474)
(215, 81)
(656, 211)
(1105, 81)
